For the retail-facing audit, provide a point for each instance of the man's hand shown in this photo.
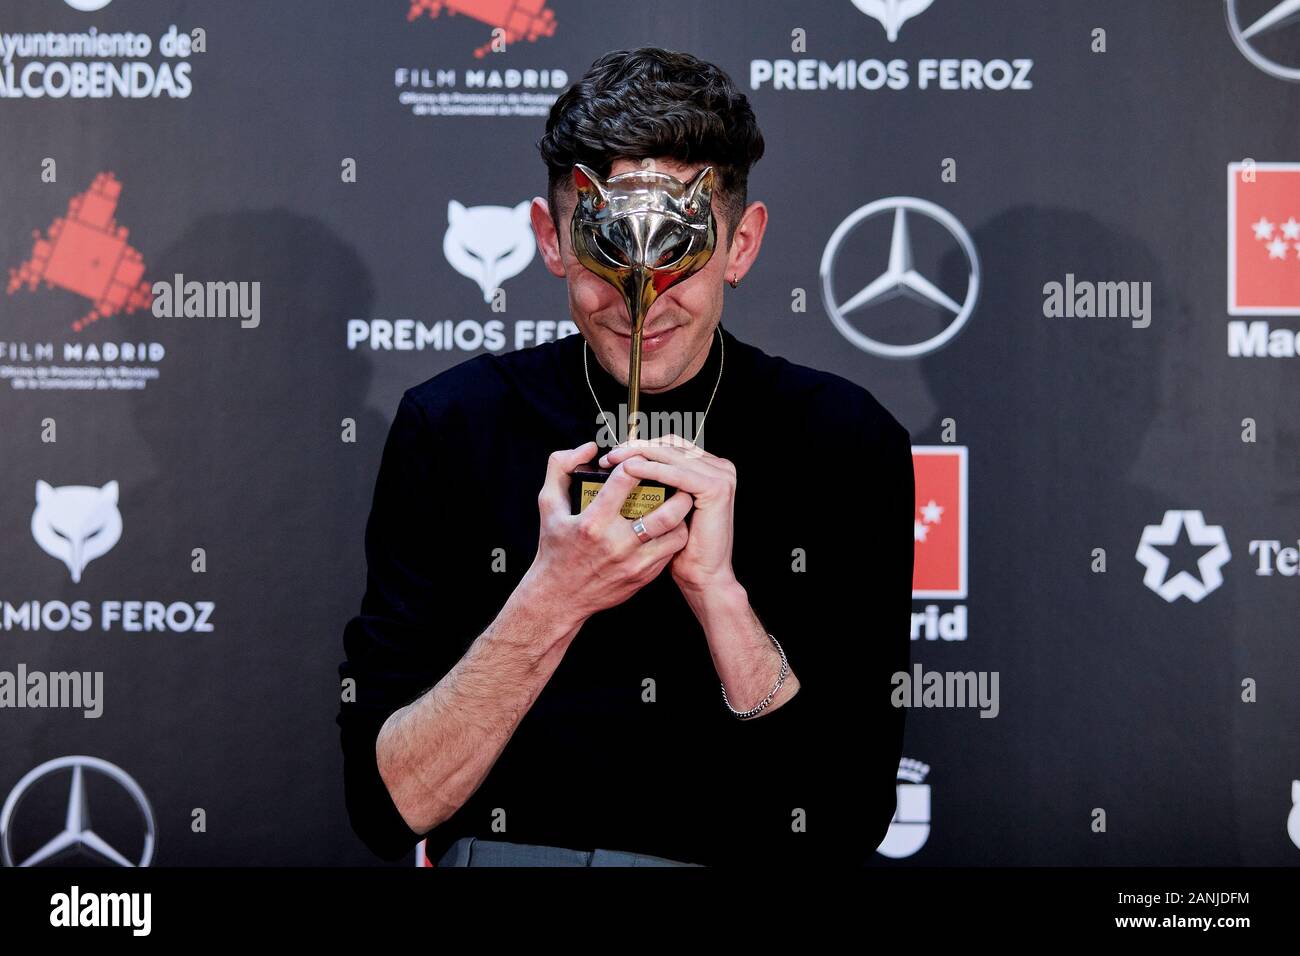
(588, 562)
(744, 658)
(705, 562)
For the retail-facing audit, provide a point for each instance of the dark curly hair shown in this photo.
(652, 103)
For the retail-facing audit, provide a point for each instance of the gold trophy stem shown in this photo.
(634, 383)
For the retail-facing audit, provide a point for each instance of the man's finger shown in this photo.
(680, 476)
(659, 550)
(609, 501)
(555, 489)
(668, 515)
(672, 444)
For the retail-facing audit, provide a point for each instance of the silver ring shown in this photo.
(639, 527)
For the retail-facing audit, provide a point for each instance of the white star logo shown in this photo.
(930, 514)
(1263, 228)
(1277, 249)
(1291, 229)
(1209, 565)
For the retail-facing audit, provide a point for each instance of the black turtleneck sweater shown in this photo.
(823, 546)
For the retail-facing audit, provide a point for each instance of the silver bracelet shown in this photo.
(762, 704)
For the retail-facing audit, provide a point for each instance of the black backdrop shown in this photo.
(1077, 432)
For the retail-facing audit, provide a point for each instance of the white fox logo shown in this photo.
(1293, 821)
(76, 523)
(892, 14)
(488, 244)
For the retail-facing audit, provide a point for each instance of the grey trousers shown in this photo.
(471, 851)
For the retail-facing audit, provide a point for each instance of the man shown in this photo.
(530, 685)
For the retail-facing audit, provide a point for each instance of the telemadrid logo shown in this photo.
(77, 833)
(1209, 565)
(1278, 16)
(900, 276)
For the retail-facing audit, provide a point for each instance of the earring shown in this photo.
(733, 280)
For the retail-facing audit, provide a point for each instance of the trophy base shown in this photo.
(587, 481)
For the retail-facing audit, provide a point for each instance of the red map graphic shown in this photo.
(1265, 240)
(86, 252)
(940, 522)
(521, 19)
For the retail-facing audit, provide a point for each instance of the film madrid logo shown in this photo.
(458, 89)
(887, 25)
(90, 64)
(76, 525)
(939, 536)
(487, 245)
(1263, 259)
(85, 253)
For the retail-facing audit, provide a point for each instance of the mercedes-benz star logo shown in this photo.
(77, 833)
(1200, 535)
(1279, 15)
(900, 276)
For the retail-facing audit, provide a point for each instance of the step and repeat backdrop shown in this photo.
(1060, 241)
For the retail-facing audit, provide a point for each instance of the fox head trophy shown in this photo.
(643, 232)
